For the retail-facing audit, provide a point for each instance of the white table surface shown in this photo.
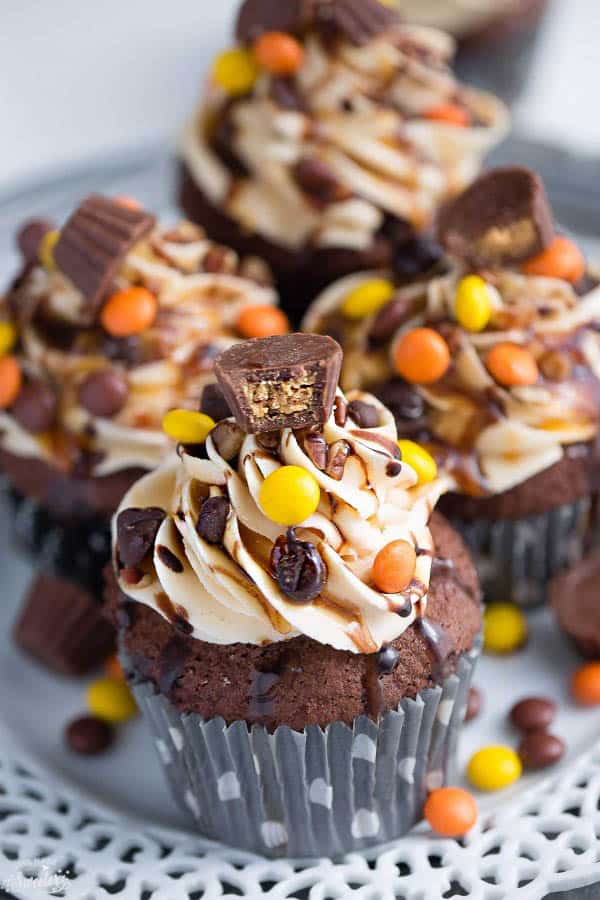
(78, 79)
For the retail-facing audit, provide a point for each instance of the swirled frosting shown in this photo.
(200, 287)
(365, 116)
(491, 437)
(227, 593)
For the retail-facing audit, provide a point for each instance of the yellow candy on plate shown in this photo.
(235, 71)
(110, 699)
(186, 426)
(504, 628)
(289, 495)
(46, 249)
(472, 304)
(368, 298)
(419, 459)
(493, 768)
(8, 337)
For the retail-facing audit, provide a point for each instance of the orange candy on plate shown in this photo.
(560, 259)
(11, 379)
(422, 356)
(450, 811)
(449, 114)
(262, 321)
(394, 567)
(512, 365)
(585, 684)
(278, 53)
(129, 312)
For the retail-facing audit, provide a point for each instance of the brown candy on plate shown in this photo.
(539, 749)
(287, 381)
(89, 736)
(533, 713)
(93, 244)
(503, 218)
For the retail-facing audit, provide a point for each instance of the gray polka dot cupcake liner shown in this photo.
(517, 559)
(318, 793)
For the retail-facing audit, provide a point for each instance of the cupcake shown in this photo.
(113, 321)
(298, 628)
(489, 356)
(574, 600)
(328, 130)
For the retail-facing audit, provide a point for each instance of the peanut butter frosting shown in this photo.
(200, 289)
(222, 588)
(357, 135)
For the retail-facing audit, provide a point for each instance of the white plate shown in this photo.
(110, 825)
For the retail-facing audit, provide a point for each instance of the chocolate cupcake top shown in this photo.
(113, 321)
(330, 116)
(489, 355)
(260, 535)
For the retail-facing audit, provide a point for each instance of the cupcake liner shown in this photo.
(320, 792)
(517, 559)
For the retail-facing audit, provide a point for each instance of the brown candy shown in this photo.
(93, 244)
(364, 414)
(503, 218)
(136, 531)
(104, 393)
(538, 749)
(288, 381)
(473, 704)
(318, 181)
(29, 238)
(533, 713)
(89, 736)
(257, 16)
(35, 407)
(357, 21)
(388, 320)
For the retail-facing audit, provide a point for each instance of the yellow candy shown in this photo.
(289, 495)
(418, 459)
(187, 427)
(46, 249)
(504, 628)
(110, 699)
(472, 303)
(235, 71)
(8, 337)
(367, 298)
(493, 768)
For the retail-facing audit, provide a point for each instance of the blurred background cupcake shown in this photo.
(289, 579)
(489, 356)
(112, 321)
(326, 131)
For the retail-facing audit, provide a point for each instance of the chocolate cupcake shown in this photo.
(114, 320)
(330, 129)
(574, 599)
(489, 357)
(299, 635)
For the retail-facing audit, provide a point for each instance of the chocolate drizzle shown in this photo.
(171, 664)
(439, 645)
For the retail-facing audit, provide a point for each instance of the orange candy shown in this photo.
(278, 53)
(422, 356)
(394, 567)
(129, 312)
(450, 811)
(11, 379)
(561, 259)
(450, 114)
(127, 202)
(512, 365)
(262, 321)
(113, 668)
(585, 684)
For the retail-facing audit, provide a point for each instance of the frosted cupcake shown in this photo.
(113, 321)
(299, 631)
(330, 128)
(490, 358)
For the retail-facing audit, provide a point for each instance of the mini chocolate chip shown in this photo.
(228, 438)
(393, 469)
(268, 440)
(533, 713)
(35, 407)
(89, 736)
(29, 238)
(298, 568)
(387, 660)
(415, 257)
(104, 393)
(214, 404)
(340, 411)
(473, 704)
(168, 558)
(213, 519)
(388, 320)
(364, 414)
(338, 454)
(538, 749)
(136, 532)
